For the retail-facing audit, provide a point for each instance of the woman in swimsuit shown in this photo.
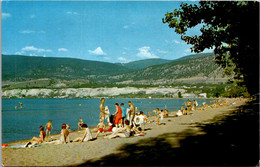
(41, 137)
(64, 136)
(118, 113)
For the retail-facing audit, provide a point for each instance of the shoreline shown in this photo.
(82, 152)
(94, 127)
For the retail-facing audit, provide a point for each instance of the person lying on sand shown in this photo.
(87, 135)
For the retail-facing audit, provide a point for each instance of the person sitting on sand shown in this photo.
(179, 113)
(122, 132)
(143, 120)
(166, 112)
(80, 123)
(101, 128)
(64, 136)
(48, 127)
(185, 112)
(118, 113)
(41, 137)
(87, 135)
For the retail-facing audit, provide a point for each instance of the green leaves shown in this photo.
(224, 22)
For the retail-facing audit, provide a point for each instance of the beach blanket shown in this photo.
(24, 146)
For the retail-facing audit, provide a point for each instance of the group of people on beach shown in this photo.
(124, 122)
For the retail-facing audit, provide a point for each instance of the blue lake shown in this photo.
(21, 124)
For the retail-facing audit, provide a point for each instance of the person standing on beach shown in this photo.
(189, 105)
(80, 123)
(131, 112)
(118, 114)
(157, 116)
(102, 110)
(107, 114)
(48, 127)
(123, 113)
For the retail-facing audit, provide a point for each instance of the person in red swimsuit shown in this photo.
(118, 113)
(48, 126)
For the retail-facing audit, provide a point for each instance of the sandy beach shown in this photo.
(80, 153)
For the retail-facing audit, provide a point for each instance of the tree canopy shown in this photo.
(231, 28)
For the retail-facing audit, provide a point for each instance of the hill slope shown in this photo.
(23, 68)
(142, 64)
(191, 69)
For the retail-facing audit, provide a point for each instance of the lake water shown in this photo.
(24, 123)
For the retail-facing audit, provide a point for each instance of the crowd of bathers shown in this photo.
(124, 122)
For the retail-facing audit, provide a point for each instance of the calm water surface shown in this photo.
(24, 123)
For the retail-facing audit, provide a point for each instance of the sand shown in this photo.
(78, 153)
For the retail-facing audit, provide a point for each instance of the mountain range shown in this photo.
(199, 68)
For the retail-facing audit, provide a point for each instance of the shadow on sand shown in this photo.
(231, 140)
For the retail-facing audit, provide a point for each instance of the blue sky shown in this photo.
(107, 31)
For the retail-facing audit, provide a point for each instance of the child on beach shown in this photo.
(101, 128)
(87, 135)
(80, 123)
(48, 126)
(41, 137)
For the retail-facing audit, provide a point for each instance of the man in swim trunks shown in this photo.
(131, 112)
(49, 126)
(102, 110)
